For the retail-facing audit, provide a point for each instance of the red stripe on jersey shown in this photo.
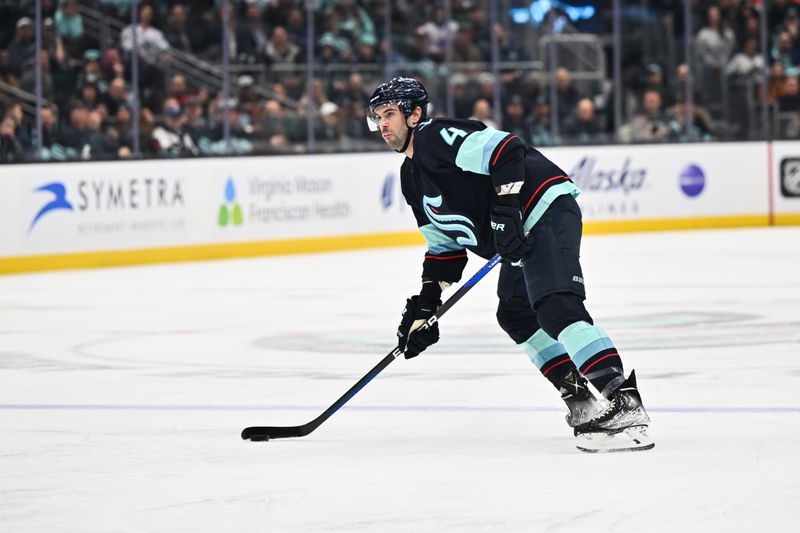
(540, 188)
(496, 157)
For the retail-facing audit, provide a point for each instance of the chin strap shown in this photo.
(408, 138)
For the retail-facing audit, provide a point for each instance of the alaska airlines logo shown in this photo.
(449, 223)
(58, 201)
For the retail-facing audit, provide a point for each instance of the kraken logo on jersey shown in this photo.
(449, 223)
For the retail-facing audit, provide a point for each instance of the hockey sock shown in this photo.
(549, 356)
(594, 354)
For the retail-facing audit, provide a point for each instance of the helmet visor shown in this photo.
(373, 120)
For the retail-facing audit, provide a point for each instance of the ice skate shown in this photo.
(621, 427)
(582, 404)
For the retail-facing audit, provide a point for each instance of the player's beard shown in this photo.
(396, 140)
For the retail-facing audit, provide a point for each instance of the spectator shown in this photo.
(176, 31)
(7, 74)
(52, 149)
(276, 12)
(178, 89)
(100, 147)
(652, 124)
(329, 129)
(785, 52)
(247, 93)
(777, 80)
(682, 77)
(464, 48)
(251, 37)
(582, 126)
(714, 43)
(118, 134)
(514, 120)
(116, 96)
(279, 121)
(150, 40)
(747, 63)
(567, 94)
(296, 28)
(438, 32)
(654, 79)
(15, 113)
(462, 101)
(11, 150)
(75, 135)
(279, 49)
(54, 44)
(69, 25)
(333, 38)
(147, 123)
(790, 100)
(482, 112)
(170, 138)
(22, 46)
(90, 95)
(28, 80)
(355, 22)
(196, 121)
(541, 132)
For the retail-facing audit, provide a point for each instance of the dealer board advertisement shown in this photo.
(669, 183)
(104, 207)
(786, 182)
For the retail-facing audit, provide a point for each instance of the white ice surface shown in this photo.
(123, 392)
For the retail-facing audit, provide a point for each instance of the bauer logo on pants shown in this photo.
(790, 177)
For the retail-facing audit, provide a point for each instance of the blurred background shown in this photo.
(118, 79)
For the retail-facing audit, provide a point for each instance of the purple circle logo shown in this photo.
(693, 180)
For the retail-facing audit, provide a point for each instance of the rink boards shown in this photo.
(76, 215)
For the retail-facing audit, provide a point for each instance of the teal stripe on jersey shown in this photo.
(584, 340)
(565, 187)
(437, 241)
(541, 348)
(476, 150)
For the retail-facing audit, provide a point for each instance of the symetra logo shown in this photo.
(693, 180)
(450, 223)
(58, 200)
(230, 212)
(790, 177)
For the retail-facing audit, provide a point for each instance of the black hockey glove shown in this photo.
(412, 340)
(509, 235)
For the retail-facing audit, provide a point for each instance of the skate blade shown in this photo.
(632, 439)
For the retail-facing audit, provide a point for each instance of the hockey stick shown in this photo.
(259, 433)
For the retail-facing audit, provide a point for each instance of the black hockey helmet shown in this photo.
(407, 93)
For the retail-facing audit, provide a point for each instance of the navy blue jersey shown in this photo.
(451, 184)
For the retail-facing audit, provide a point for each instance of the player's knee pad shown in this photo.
(517, 318)
(557, 311)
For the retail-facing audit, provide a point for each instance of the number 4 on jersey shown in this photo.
(453, 134)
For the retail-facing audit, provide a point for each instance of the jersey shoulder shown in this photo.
(437, 130)
(437, 141)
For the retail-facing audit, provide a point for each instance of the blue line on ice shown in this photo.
(320, 408)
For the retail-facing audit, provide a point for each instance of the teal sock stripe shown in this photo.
(583, 340)
(542, 348)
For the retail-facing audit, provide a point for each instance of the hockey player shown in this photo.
(472, 187)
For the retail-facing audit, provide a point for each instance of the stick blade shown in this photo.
(265, 433)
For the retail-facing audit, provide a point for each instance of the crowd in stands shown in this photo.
(86, 81)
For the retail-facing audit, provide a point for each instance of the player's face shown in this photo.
(392, 125)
